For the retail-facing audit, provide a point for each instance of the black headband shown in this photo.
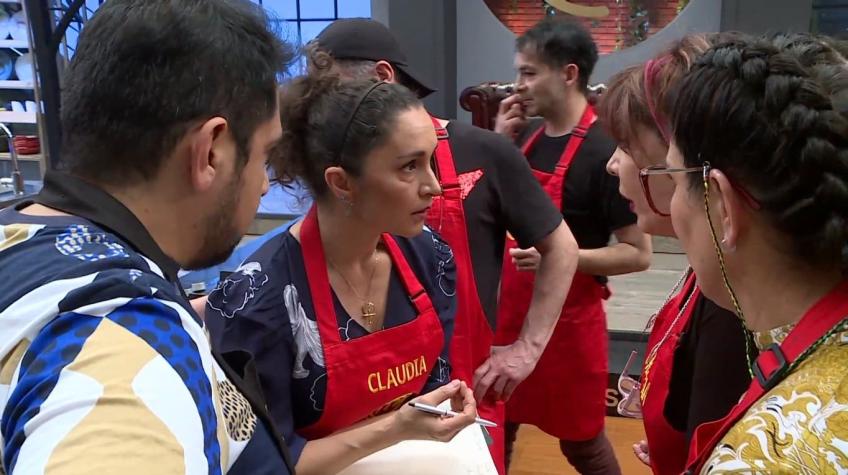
(349, 122)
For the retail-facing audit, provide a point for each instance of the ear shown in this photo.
(570, 74)
(210, 146)
(730, 208)
(385, 71)
(340, 183)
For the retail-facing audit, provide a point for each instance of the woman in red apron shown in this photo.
(684, 381)
(348, 314)
(759, 206)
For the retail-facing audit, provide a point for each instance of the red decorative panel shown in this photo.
(615, 24)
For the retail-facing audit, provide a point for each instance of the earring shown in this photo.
(725, 246)
(348, 203)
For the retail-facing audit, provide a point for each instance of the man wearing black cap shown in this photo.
(489, 190)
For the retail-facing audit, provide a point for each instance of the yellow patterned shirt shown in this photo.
(800, 426)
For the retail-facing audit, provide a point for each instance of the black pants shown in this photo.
(589, 457)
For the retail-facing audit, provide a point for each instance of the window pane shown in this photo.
(281, 9)
(286, 31)
(91, 7)
(310, 29)
(285, 201)
(354, 8)
(317, 9)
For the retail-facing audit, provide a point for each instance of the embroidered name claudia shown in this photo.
(394, 377)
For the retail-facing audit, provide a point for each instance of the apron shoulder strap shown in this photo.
(578, 134)
(444, 158)
(413, 286)
(532, 138)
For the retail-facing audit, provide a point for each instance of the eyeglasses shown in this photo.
(658, 192)
(630, 389)
(658, 186)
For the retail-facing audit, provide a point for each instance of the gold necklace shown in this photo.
(368, 309)
(652, 354)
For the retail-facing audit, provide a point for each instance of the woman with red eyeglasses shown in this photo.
(695, 368)
(760, 139)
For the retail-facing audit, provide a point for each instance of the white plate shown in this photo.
(18, 27)
(5, 25)
(23, 67)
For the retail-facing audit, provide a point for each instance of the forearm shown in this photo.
(552, 283)
(620, 258)
(334, 453)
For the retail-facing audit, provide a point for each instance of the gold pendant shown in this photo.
(369, 311)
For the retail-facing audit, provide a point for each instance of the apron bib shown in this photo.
(565, 394)
(667, 445)
(472, 337)
(376, 373)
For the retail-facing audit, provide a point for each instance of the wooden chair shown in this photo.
(483, 100)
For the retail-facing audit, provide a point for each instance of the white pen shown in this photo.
(448, 413)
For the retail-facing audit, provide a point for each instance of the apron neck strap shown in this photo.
(579, 131)
(444, 159)
(319, 281)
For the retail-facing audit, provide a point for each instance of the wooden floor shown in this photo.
(537, 453)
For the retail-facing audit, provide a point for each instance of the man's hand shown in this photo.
(510, 119)
(526, 259)
(505, 369)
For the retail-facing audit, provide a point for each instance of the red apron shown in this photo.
(667, 445)
(565, 394)
(770, 368)
(472, 336)
(376, 373)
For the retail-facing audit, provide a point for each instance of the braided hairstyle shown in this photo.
(329, 122)
(770, 113)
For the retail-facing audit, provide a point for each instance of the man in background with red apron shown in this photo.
(488, 190)
(568, 151)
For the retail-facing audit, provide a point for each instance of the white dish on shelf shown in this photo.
(18, 26)
(5, 24)
(23, 67)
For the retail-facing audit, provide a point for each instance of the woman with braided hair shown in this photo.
(759, 156)
(695, 366)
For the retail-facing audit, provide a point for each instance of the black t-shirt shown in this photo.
(710, 372)
(591, 204)
(500, 194)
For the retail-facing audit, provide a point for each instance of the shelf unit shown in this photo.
(15, 84)
(11, 117)
(20, 91)
(23, 158)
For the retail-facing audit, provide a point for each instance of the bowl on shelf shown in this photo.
(27, 144)
(5, 24)
(23, 67)
(18, 26)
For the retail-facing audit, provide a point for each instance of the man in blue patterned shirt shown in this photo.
(169, 110)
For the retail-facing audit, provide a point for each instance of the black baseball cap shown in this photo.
(363, 38)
